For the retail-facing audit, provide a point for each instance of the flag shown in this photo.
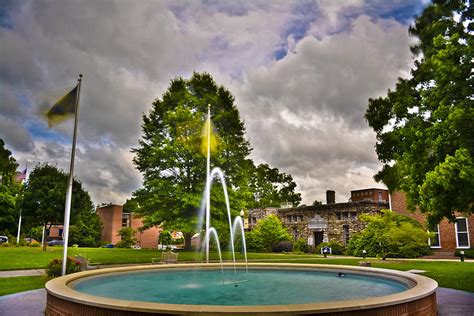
(20, 175)
(64, 108)
(204, 137)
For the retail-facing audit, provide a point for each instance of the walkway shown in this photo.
(32, 303)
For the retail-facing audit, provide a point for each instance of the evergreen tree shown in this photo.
(44, 200)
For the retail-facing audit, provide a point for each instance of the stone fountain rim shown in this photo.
(420, 287)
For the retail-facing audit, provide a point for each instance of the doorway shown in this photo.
(318, 237)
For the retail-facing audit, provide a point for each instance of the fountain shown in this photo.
(266, 288)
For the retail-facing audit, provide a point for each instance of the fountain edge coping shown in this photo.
(423, 287)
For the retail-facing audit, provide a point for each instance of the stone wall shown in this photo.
(326, 221)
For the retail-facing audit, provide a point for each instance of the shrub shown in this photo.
(127, 237)
(468, 253)
(54, 267)
(35, 244)
(283, 246)
(300, 245)
(268, 232)
(390, 235)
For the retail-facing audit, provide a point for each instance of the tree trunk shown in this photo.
(187, 241)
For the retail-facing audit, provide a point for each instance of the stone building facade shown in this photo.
(323, 223)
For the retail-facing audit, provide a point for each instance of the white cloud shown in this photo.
(304, 112)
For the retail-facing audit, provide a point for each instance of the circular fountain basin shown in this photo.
(271, 288)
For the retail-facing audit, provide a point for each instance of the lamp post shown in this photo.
(461, 253)
(364, 253)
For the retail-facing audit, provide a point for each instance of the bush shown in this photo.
(300, 245)
(336, 248)
(468, 253)
(54, 267)
(127, 237)
(390, 235)
(283, 246)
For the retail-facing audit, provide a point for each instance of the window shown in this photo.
(126, 220)
(462, 233)
(353, 215)
(380, 196)
(345, 215)
(434, 241)
(338, 215)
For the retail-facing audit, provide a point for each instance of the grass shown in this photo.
(21, 284)
(456, 275)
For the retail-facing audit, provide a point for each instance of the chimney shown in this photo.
(330, 197)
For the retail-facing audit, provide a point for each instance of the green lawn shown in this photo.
(21, 284)
(456, 275)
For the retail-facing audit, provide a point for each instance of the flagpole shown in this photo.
(208, 181)
(19, 228)
(67, 211)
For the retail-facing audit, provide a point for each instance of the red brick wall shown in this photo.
(148, 238)
(447, 231)
(372, 194)
(111, 217)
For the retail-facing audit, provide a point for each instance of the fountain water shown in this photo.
(205, 211)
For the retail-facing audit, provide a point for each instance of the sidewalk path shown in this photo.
(16, 273)
(32, 303)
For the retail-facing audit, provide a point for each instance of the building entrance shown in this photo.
(318, 237)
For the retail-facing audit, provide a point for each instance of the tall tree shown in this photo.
(173, 167)
(270, 187)
(10, 191)
(169, 156)
(425, 134)
(44, 199)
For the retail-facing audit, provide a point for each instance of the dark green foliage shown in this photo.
(336, 248)
(268, 232)
(174, 169)
(54, 267)
(271, 188)
(165, 237)
(390, 235)
(10, 191)
(86, 230)
(44, 202)
(127, 235)
(468, 253)
(425, 134)
(283, 246)
(300, 245)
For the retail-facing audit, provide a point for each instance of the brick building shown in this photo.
(327, 222)
(448, 236)
(114, 218)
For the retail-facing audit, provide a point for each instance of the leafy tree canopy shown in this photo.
(44, 200)
(10, 191)
(174, 169)
(390, 235)
(268, 232)
(425, 134)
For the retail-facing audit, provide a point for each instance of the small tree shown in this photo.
(267, 233)
(127, 235)
(390, 235)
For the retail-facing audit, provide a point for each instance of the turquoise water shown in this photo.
(265, 287)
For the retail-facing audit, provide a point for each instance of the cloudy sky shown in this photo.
(301, 72)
